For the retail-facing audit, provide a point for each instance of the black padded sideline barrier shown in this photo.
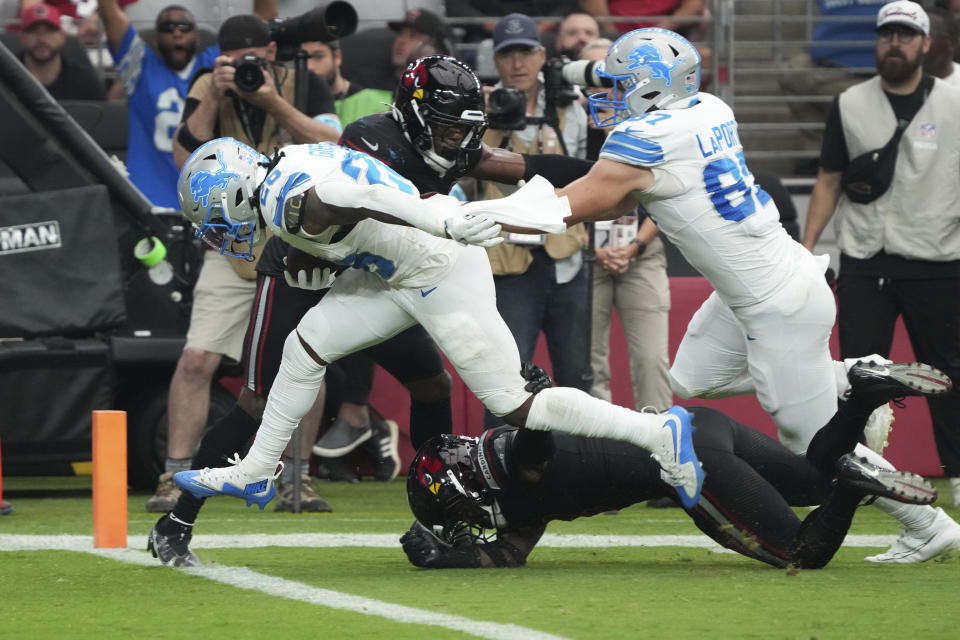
(59, 264)
(47, 390)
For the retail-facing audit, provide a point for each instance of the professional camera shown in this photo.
(325, 23)
(559, 92)
(584, 73)
(507, 106)
(507, 109)
(249, 72)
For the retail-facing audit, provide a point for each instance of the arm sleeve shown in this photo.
(834, 155)
(560, 170)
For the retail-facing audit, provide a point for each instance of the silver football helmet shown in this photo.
(217, 190)
(650, 69)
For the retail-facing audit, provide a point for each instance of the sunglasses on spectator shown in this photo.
(169, 26)
(904, 34)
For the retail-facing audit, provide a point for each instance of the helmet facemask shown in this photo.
(218, 194)
(435, 94)
(438, 143)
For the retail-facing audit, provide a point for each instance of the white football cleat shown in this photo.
(679, 466)
(942, 535)
(229, 481)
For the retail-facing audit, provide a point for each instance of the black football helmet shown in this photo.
(446, 489)
(438, 95)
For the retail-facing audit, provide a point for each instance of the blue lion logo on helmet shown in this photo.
(647, 55)
(203, 182)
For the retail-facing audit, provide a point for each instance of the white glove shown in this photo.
(311, 281)
(535, 205)
(470, 229)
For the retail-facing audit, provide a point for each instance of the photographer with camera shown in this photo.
(540, 279)
(235, 98)
(250, 97)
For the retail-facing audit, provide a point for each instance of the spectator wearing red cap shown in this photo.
(43, 39)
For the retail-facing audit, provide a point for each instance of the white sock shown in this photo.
(292, 395)
(911, 516)
(572, 411)
(843, 384)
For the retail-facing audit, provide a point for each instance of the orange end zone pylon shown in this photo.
(109, 479)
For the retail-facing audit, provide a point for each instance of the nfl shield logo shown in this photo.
(928, 130)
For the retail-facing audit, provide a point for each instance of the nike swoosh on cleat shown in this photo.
(424, 294)
(373, 147)
(674, 425)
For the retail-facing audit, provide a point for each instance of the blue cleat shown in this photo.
(678, 461)
(229, 481)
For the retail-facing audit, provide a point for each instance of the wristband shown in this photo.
(641, 246)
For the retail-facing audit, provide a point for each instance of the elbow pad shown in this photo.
(187, 140)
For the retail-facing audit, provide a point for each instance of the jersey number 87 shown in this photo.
(737, 200)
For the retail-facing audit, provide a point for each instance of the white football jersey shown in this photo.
(403, 256)
(704, 198)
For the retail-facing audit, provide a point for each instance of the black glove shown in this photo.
(537, 379)
(426, 550)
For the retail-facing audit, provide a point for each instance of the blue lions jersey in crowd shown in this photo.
(156, 97)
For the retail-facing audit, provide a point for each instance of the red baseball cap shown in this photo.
(40, 13)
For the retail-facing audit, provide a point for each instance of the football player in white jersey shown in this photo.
(334, 203)
(766, 326)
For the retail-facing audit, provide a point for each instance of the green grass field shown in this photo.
(370, 591)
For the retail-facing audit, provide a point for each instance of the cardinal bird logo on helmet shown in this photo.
(414, 78)
(425, 472)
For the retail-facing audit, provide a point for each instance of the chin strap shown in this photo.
(437, 162)
(268, 167)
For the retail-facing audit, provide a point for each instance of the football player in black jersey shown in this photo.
(432, 136)
(510, 483)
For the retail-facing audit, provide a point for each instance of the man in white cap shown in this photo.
(899, 237)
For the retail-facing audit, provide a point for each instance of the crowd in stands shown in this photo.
(178, 85)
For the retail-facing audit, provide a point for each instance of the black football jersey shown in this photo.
(381, 136)
(581, 477)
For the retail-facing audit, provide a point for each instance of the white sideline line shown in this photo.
(243, 578)
(11, 542)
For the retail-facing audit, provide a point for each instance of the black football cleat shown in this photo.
(169, 542)
(898, 380)
(870, 480)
